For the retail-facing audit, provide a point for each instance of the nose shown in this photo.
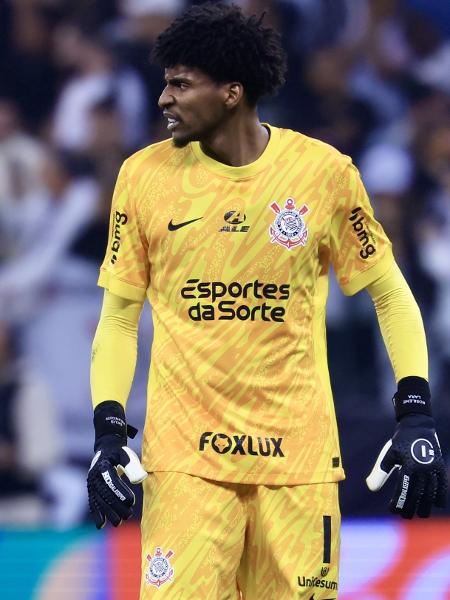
(165, 99)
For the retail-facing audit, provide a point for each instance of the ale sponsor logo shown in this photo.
(234, 220)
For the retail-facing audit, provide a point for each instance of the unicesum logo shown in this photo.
(363, 233)
(317, 582)
(119, 219)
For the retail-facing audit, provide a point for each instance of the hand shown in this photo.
(110, 498)
(414, 449)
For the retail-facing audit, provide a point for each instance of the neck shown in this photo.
(240, 141)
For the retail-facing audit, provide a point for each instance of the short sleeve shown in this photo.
(125, 268)
(360, 249)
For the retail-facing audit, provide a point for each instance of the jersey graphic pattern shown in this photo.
(239, 387)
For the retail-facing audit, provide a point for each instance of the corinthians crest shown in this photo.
(289, 229)
(159, 570)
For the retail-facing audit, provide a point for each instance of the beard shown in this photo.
(191, 135)
(197, 135)
(181, 142)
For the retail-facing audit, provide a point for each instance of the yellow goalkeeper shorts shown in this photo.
(209, 540)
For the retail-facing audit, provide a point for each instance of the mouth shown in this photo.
(172, 121)
(172, 124)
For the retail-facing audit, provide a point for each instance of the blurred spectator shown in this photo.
(98, 78)
(90, 16)
(27, 72)
(435, 254)
(147, 18)
(71, 201)
(436, 10)
(431, 52)
(434, 236)
(50, 292)
(378, 57)
(387, 172)
(106, 149)
(21, 161)
(328, 110)
(30, 441)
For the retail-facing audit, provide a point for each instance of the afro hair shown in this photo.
(221, 41)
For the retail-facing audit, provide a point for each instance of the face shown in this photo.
(193, 104)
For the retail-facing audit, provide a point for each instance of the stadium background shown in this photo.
(77, 95)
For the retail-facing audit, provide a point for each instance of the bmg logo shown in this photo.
(362, 232)
(119, 220)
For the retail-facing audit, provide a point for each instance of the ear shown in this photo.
(233, 94)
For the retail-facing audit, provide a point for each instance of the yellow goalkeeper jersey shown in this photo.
(235, 263)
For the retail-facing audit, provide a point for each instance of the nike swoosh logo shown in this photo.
(173, 227)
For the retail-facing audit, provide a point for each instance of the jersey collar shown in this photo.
(245, 171)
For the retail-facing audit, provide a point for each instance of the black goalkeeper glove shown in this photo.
(110, 498)
(414, 449)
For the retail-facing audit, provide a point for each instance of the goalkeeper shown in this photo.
(229, 229)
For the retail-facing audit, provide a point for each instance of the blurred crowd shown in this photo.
(78, 95)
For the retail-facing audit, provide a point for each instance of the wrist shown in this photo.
(412, 397)
(110, 425)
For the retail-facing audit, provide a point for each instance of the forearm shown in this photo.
(401, 324)
(114, 350)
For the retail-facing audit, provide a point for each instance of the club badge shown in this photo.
(159, 570)
(289, 229)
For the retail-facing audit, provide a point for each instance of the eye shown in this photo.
(182, 85)
(178, 84)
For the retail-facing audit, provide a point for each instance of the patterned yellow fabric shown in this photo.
(235, 262)
(204, 540)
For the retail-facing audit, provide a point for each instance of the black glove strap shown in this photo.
(110, 424)
(412, 396)
(131, 431)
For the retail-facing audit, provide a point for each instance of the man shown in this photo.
(230, 229)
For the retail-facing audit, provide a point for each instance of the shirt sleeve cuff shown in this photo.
(362, 280)
(120, 288)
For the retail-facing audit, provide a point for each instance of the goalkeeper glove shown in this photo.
(110, 498)
(414, 449)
